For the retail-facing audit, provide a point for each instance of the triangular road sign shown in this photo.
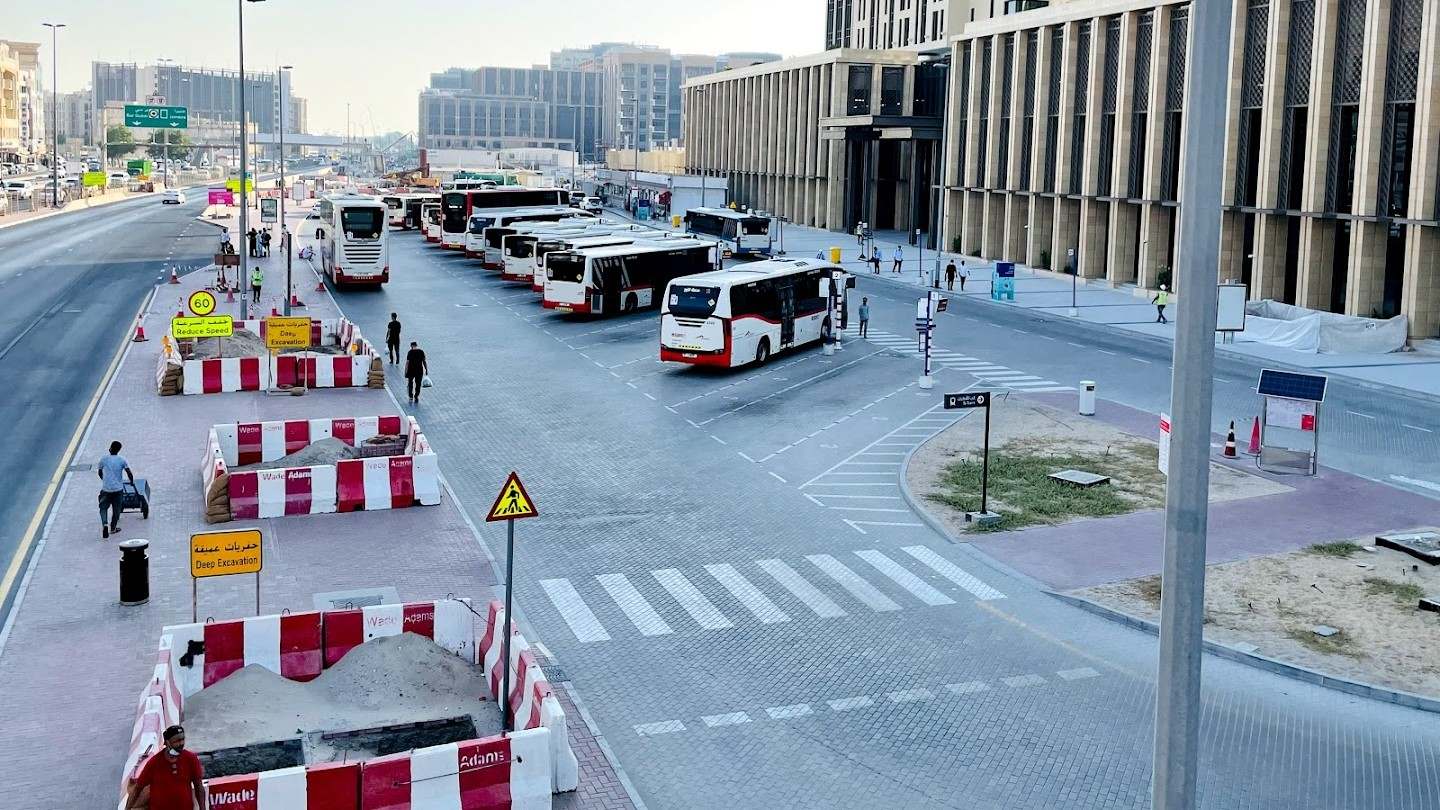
(512, 503)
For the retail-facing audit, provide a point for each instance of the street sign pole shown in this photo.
(985, 464)
(505, 645)
(978, 399)
(928, 324)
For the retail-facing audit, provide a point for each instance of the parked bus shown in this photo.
(621, 278)
(394, 209)
(747, 313)
(430, 219)
(488, 229)
(412, 217)
(458, 206)
(354, 250)
(522, 250)
(550, 247)
(740, 234)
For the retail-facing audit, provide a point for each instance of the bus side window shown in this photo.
(730, 229)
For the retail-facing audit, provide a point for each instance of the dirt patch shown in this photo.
(1028, 441)
(324, 451)
(244, 343)
(1275, 602)
(389, 681)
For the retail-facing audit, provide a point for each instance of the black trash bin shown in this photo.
(134, 572)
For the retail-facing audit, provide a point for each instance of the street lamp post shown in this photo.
(244, 171)
(54, 113)
(284, 232)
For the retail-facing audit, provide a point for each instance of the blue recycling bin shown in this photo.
(1002, 289)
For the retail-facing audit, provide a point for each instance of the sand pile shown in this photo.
(244, 343)
(398, 679)
(324, 451)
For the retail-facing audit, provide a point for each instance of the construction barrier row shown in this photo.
(361, 366)
(389, 481)
(532, 700)
(509, 772)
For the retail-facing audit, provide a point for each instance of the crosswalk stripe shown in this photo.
(801, 589)
(644, 617)
(1053, 388)
(1031, 383)
(852, 582)
(953, 572)
(748, 595)
(700, 609)
(1004, 375)
(902, 577)
(574, 610)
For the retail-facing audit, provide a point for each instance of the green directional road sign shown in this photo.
(149, 115)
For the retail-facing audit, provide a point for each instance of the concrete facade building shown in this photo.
(508, 108)
(9, 105)
(34, 127)
(1064, 135)
(208, 93)
(75, 118)
(919, 25)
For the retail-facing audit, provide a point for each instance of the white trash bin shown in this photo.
(1087, 397)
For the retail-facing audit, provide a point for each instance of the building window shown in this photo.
(1174, 100)
(1052, 107)
(1140, 104)
(892, 90)
(1252, 92)
(858, 101)
(1345, 110)
(1082, 93)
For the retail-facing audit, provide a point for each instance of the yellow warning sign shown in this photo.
(513, 502)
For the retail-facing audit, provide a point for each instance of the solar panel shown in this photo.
(1289, 384)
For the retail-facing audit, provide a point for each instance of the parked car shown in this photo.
(592, 205)
(118, 178)
(22, 189)
(173, 196)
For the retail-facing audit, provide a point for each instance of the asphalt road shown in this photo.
(71, 286)
(725, 568)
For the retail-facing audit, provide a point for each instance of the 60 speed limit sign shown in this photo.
(202, 302)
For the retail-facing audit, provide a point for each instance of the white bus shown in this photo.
(740, 234)
(430, 220)
(558, 244)
(517, 249)
(394, 209)
(747, 313)
(403, 210)
(354, 249)
(488, 229)
(621, 278)
(456, 207)
(414, 203)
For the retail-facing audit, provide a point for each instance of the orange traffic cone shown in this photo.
(229, 295)
(295, 301)
(1254, 448)
(320, 285)
(274, 312)
(1230, 441)
(139, 333)
(174, 279)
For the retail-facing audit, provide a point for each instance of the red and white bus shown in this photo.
(550, 245)
(517, 250)
(487, 229)
(747, 313)
(456, 207)
(621, 278)
(430, 220)
(355, 249)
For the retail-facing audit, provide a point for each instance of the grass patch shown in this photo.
(1339, 548)
(1022, 493)
(1337, 644)
(1150, 589)
(1405, 593)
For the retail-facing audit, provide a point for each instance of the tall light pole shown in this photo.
(54, 113)
(284, 232)
(244, 172)
(1182, 604)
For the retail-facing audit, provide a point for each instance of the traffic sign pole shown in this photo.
(508, 721)
(985, 464)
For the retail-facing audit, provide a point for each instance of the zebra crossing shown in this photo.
(725, 596)
(991, 374)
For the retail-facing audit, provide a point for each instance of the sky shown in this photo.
(378, 55)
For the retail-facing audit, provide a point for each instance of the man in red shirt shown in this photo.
(172, 779)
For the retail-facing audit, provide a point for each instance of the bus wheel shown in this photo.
(631, 302)
(762, 352)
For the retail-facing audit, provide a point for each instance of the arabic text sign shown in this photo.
(218, 554)
(287, 333)
(202, 327)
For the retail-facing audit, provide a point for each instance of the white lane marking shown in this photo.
(909, 695)
(790, 387)
(1416, 482)
(967, 687)
(1078, 674)
(868, 509)
(1051, 388)
(872, 473)
(852, 582)
(648, 395)
(1018, 681)
(644, 617)
(702, 610)
(1413, 427)
(1103, 351)
(1359, 414)
(846, 704)
(953, 572)
(876, 463)
(902, 577)
(747, 458)
(842, 484)
(731, 719)
(867, 497)
(748, 595)
(662, 727)
(1138, 360)
(718, 439)
(786, 712)
(574, 611)
(801, 589)
(812, 500)
(856, 524)
(777, 477)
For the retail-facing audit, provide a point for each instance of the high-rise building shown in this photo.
(511, 108)
(9, 105)
(75, 118)
(208, 93)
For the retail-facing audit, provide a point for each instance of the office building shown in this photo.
(9, 105)
(919, 25)
(1066, 136)
(75, 118)
(208, 93)
(494, 108)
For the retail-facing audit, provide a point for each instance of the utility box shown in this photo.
(834, 255)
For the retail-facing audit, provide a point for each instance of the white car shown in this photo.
(173, 196)
(22, 189)
(118, 178)
(592, 205)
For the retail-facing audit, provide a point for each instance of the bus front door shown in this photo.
(787, 314)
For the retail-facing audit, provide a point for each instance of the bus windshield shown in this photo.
(361, 223)
(757, 227)
(520, 246)
(494, 235)
(479, 224)
(565, 267)
(693, 302)
(455, 210)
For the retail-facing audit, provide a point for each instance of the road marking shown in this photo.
(777, 477)
(968, 687)
(953, 572)
(663, 727)
(747, 458)
(1413, 427)
(801, 589)
(574, 611)
(1359, 414)
(790, 387)
(1076, 345)
(702, 610)
(1138, 360)
(1103, 351)
(846, 704)
(1018, 681)
(644, 617)
(909, 695)
(852, 582)
(717, 438)
(867, 509)
(786, 712)
(747, 594)
(921, 589)
(648, 395)
(868, 497)
(1416, 482)
(1078, 674)
(731, 719)
(856, 524)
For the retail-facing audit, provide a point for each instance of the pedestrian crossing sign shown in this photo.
(513, 502)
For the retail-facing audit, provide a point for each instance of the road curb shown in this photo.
(1292, 671)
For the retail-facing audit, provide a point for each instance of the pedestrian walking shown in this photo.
(250, 240)
(875, 262)
(964, 274)
(113, 470)
(899, 257)
(415, 370)
(864, 317)
(265, 243)
(392, 338)
(257, 280)
(950, 275)
(225, 246)
(171, 779)
(1161, 300)
(860, 234)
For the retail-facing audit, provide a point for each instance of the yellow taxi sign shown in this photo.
(201, 302)
(512, 503)
(216, 326)
(287, 333)
(219, 554)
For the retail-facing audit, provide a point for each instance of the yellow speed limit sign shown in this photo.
(201, 303)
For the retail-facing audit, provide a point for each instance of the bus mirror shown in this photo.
(849, 282)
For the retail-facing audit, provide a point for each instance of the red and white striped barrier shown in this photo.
(220, 375)
(290, 645)
(448, 623)
(496, 773)
(144, 741)
(331, 786)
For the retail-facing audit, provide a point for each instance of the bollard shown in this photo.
(1087, 397)
(134, 572)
